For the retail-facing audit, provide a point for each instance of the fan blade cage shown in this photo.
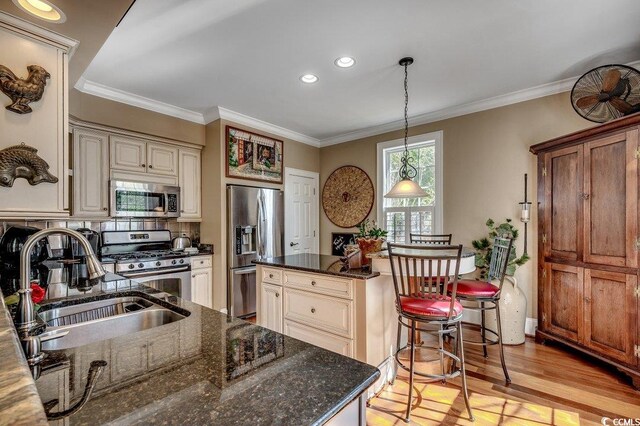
(616, 79)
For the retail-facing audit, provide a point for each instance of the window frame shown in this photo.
(437, 138)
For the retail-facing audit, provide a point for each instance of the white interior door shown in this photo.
(301, 216)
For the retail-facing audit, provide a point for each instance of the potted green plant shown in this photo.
(484, 246)
(369, 238)
(513, 301)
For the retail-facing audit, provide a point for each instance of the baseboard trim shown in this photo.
(530, 326)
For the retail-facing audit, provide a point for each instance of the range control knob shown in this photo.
(158, 263)
(131, 266)
(173, 262)
(181, 261)
(140, 265)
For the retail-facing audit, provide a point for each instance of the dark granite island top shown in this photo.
(318, 263)
(207, 368)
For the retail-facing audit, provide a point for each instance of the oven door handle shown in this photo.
(155, 272)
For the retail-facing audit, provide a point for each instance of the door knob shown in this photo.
(291, 244)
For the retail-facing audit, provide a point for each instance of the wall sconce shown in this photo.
(525, 213)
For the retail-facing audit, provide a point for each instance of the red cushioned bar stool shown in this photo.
(488, 296)
(421, 301)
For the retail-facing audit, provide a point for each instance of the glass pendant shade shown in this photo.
(406, 188)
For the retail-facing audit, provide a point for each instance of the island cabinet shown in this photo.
(588, 242)
(351, 315)
(318, 309)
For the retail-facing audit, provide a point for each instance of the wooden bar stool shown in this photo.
(427, 303)
(444, 239)
(486, 293)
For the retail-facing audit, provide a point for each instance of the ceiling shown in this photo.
(202, 59)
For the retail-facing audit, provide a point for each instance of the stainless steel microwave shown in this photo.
(139, 199)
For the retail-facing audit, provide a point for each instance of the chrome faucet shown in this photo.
(25, 319)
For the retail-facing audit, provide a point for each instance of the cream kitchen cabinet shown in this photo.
(101, 153)
(202, 281)
(128, 154)
(271, 307)
(90, 173)
(142, 156)
(315, 308)
(190, 184)
(317, 337)
(162, 159)
(45, 129)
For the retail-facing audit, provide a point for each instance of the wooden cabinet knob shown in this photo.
(277, 294)
(142, 165)
(104, 208)
(270, 275)
(150, 166)
(313, 310)
(313, 283)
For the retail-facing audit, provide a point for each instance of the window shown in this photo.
(401, 216)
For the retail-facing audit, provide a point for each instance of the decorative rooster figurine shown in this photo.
(22, 92)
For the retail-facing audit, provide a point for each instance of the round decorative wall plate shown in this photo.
(347, 196)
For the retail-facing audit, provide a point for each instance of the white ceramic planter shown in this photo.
(513, 313)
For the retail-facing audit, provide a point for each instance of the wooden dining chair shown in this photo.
(435, 239)
(487, 295)
(421, 301)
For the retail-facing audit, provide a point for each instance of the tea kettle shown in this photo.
(181, 242)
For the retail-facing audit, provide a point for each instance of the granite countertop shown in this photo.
(205, 368)
(384, 254)
(317, 263)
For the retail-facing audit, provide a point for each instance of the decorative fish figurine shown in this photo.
(22, 161)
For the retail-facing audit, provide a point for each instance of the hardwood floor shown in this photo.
(550, 386)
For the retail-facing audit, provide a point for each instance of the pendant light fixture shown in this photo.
(406, 187)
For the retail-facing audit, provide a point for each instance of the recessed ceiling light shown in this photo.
(42, 9)
(345, 62)
(309, 78)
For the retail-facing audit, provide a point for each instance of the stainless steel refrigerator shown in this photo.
(255, 229)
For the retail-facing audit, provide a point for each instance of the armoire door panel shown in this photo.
(563, 301)
(610, 200)
(564, 212)
(610, 313)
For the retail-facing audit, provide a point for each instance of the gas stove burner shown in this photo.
(147, 255)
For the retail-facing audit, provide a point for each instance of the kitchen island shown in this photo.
(204, 368)
(315, 298)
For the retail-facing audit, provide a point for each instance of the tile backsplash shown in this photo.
(191, 229)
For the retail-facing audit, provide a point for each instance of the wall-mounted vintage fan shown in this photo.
(607, 92)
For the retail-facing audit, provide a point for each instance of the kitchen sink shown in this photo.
(89, 322)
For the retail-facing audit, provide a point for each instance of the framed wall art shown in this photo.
(252, 156)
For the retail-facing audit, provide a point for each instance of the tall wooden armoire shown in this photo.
(588, 242)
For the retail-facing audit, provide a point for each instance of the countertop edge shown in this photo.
(19, 399)
(349, 398)
(317, 271)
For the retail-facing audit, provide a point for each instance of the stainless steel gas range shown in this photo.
(147, 257)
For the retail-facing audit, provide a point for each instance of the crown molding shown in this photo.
(460, 110)
(106, 92)
(218, 112)
(263, 126)
(30, 29)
